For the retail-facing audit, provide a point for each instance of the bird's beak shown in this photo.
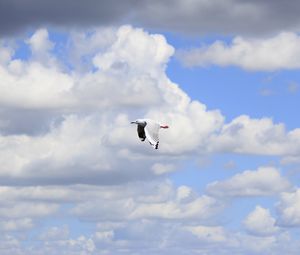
(132, 122)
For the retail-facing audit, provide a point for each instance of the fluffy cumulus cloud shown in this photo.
(289, 208)
(265, 181)
(279, 52)
(90, 112)
(260, 222)
(256, 136)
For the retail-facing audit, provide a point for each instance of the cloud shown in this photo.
(10, 244)
(294, 159)
(32, 13)
(16, 224)
(217, 238)
(159, 169)
(289, 208)
(124, 215)
(90, 111)
(265, 181)
(203, 206)
(5, 53)
(263, 17)
(118, 231)
(25, 79)
(209, 234)
(256, 136)
(167, 203)
(111, 203)
(260, 222)
(192, 16)
(39, 42)
(57, 239)
(20, 210)
(68, 150)
(150, 53)
(249, 54)
(67, 109)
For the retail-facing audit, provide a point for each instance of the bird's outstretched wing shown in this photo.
(151, 131)
(141, 132)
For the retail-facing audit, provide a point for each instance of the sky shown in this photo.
(75, 178)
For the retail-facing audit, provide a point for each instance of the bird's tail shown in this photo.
(154, 145)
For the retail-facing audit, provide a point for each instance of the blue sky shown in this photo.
(75, 179)
(221, 88)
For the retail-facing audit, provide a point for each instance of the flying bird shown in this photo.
(147, 128)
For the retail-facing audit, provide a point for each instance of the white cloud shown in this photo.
(16, 224)
(159, 169)
(289, 209)
(119, 231)
(264, 181)
(136, 50)
(184, 193)
(209, 234)
(202, 207)
(57, 240)
(39, 42)
(104, 236)
(145, 87)
(294, 159)
(147, 204)
(14, 210)
(55, 233)
(9, 244)
(111, 205)
(37, 84)
(32, 85)
(90, 112)
(268, 54)
(260, 222)
(216, 238)
(83, 45)
(48, 159)
(256, 136)
(124, 214)
(5, 54)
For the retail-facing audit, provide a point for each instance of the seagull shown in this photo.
(147, 128)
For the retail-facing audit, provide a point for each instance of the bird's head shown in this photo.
(138, 121)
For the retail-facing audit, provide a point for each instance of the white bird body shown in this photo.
(147, 128)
